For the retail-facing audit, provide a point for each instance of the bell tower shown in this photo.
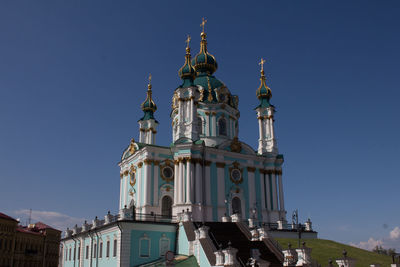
(265, 115)
(148, 124)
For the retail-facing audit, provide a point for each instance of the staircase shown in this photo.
(223, 233)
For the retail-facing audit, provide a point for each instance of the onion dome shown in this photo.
(148, 106)
(187, 72)
(264, 93)
(204, 61)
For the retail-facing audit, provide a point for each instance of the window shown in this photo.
(115, 248)
(101, 250)
(108, 249)
(94, 251)
(166, 207)
(66, 254)
(87, 252)
(79, 252)
(222, 126)
(164, 246)
(74, 253)
(144, 247)
(70, 253)
(199, 125)
(236, 205)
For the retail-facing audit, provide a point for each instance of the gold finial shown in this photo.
(262, 61)
(149, 85)
(188, 41)
(203, 23)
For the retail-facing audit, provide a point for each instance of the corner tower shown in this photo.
(265, 115)
(148, 124)
(184, 104)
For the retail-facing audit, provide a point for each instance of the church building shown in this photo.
(208, 198)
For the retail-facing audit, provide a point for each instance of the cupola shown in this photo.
(263, 92)
(187, 72)
(148, 106)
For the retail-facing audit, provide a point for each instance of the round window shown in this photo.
(167, 173)
(236, 175)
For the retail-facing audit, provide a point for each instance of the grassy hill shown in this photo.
(323, 250)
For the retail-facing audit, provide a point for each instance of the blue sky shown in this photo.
(73, 75)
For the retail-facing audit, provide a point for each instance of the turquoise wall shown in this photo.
(154, 243)
(183, 242)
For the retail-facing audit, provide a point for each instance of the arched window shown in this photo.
(199, 125)
(222, 126)
(144, 247)
(236, 205)
(166, 206)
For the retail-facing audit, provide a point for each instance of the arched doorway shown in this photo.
(166, 206)
(236, 205)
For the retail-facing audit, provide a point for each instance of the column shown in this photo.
(268, 193)
(146, 181)
(139, 181)
(252, 188)
(221, 188)
(176, 181)
(274, 192)
(180, 183)
(207, 130)
(141, 135)
(155, 189)
(207, 187)
(188, 181)
(262, 189)
(281, 200)
(198, 182)
(214, 124)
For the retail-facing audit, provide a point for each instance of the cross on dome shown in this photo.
(203, 23)
(262, 61)
(149, 86)
(188, 41)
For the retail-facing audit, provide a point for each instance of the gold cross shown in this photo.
(188, 40)
(149, 78)
(203, 23)
(262, 61)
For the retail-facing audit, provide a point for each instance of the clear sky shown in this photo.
(73, 75)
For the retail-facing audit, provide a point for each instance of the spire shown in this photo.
(186, 72)
(203, 42)
(148, 106)
(263, 91)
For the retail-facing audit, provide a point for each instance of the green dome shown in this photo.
(148, 106)
(187, 72)
(264, 92)
(204, 61)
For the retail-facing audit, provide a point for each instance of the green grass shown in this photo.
(323, 250)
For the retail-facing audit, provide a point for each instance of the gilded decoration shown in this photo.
(140, 164)
(126, 173)
(147, 161)
(132, 174)
(236, 146)
(236, 173)
(167, 171)
(132, 147)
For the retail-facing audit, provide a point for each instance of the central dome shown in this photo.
(204, 61)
